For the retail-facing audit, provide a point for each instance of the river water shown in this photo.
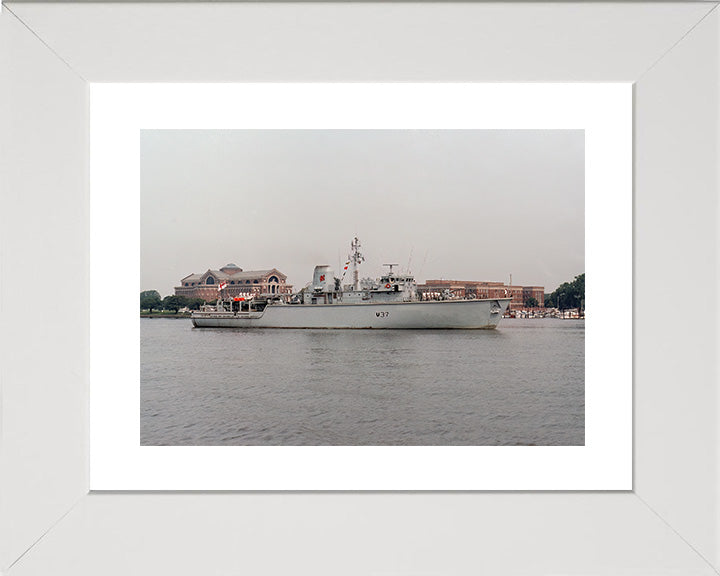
(522, 384)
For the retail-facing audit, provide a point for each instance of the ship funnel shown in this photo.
(323, 279)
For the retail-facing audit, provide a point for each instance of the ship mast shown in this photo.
(356, 258)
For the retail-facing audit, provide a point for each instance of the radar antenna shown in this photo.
(391, 267)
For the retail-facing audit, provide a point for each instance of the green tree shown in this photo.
(174, 303)
(568, 294)
(195, 303)
(531, 302)
(579, 288)
(149, 300)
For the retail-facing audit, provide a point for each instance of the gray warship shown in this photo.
(390, 302)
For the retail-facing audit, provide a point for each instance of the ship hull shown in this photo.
(447, 314)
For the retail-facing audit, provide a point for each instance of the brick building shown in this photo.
(463, 288)
(237, 281)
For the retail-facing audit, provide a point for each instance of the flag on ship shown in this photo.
(344, 270)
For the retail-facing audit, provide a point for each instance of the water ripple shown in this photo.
(520, 385)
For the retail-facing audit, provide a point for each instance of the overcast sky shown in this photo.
(453, 204)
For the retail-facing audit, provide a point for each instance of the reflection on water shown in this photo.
(520, 384)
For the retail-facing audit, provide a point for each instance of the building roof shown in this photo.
(250, 274)
(192, 278)
(242, 275)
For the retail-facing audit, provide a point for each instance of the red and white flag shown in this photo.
(345, 270)
(222, 285)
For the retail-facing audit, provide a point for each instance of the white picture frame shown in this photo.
(118, 115)
(668, 524)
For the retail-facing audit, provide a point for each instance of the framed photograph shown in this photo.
(635, 492)
(458, 134)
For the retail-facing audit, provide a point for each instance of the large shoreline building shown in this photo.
(238, 282)
(462, 288)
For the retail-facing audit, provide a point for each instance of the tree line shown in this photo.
(568, 295)
(151, 300)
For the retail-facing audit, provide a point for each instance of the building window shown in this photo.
(186, 284)
(232, 281)
(273, 279)
(193, 283)
(247, 281)
(255, 281)
(210, 280)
